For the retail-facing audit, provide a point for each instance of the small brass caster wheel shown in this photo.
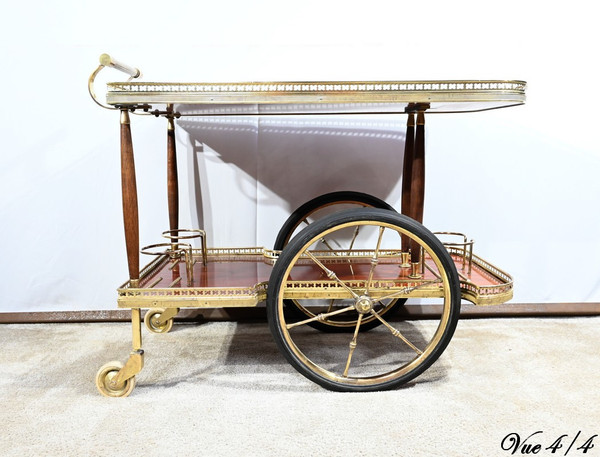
(151, 321)
(105, 375)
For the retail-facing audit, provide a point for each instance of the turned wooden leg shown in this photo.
(417, 188)
(130, 203)
(409, 153)
(172, 179)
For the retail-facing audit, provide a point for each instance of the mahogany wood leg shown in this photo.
(409, 153)
(417, 189)
(130, 203)
(172, 179)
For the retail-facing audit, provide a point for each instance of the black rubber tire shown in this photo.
(322, 201)
(302, 213)
(394, 378)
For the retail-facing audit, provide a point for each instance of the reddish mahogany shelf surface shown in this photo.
(216, 273)
(252, 270)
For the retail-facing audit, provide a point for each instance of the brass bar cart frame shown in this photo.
(357, 287)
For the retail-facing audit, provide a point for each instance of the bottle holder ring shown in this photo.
(174, 252)
(463, 248)
(176, 235)
(183, 234)
(167, 249)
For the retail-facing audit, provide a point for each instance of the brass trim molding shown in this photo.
(309, 97)
(145, 295)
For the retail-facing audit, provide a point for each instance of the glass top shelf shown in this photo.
(322, 97)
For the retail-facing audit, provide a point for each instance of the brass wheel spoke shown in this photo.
(326, 243)
(431, 270)
(322, 240)
(354, 236)
(353, 344)
(407, 290)
(320, 317)
(397, 333)
(352, 245)
(330, 274)
(374, 259)
(331, 303)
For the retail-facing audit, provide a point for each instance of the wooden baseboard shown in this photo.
(259, 313)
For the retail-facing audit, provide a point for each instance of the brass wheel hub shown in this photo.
(363, 304)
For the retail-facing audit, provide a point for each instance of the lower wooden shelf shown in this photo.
(238, 277)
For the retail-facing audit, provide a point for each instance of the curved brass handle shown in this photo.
(108, 61)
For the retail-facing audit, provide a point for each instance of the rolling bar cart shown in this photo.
(341, 265)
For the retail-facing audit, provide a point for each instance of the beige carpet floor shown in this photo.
(220, 389)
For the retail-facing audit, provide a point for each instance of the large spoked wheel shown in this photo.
(308, 213)
(364, 277)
